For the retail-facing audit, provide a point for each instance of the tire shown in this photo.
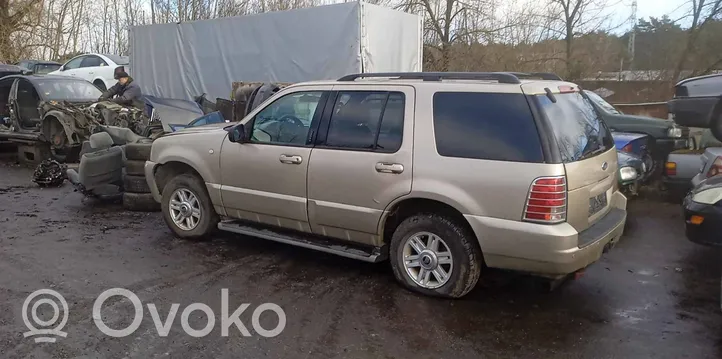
(141, 202)
(459, 241)
(135, 168)
(135, 184)
(207, 224)
(137, 151)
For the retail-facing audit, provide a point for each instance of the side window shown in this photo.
(74, 63)
(367, 120)
(490, 126)
(92, 61)
(287, 120)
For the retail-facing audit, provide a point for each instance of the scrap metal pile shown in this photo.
(85, 118)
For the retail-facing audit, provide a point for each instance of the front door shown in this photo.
(362, 161)
(264, 180)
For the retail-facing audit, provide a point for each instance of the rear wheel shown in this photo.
(436, 256)
(187, 207)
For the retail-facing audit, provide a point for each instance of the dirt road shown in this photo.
(656, 295)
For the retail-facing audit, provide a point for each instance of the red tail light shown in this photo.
(670, 168)
(716, 168)
(547, 201)
(627, 148)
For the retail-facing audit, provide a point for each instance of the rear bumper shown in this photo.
(548, 250)
(677, 184)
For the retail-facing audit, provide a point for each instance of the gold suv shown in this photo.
(443, 174)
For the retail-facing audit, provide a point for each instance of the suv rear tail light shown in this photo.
(716, 167)
(670, 168)
(547, 200)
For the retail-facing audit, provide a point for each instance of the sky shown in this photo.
(656, 8)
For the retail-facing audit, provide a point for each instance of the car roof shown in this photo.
(36, 62)
(504, 82)
(34, 77)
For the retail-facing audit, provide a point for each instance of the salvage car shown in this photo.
(683, 169)
(697, 102)
(60, 113)
(667, 135)
(421, 173)
(31, 109)
(39, 67)
(703, 212)
(95, 68)
(6, 70)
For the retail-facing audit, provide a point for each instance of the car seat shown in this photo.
(100, 166)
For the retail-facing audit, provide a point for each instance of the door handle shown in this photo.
(389, 167)
(290, 159)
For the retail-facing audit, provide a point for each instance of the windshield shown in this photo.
(68, 90)
(119, 60)
(46, 68)
(580, 133)
(602, 103)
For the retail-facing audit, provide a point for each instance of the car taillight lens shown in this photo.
(547, 200)
(670, 168)
(716, 168)
(627, 148)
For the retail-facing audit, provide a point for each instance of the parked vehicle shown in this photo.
(39, 67)
(697, 102)
(420, 172)
(637, 145)
(6, 70)
(710, 165)
(703, 212)
(683, 165)
(95, 68)
(667, 135)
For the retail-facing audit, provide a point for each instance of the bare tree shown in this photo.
(702, 13)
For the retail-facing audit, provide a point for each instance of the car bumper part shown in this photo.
(548, 250)
(709, 232)
(677, 184)
(150, 177)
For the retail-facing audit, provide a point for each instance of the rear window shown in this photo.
(489, 126)
(580, 133)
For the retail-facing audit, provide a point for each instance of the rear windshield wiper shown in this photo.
(592, 153)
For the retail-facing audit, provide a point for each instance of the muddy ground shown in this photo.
(656, 295)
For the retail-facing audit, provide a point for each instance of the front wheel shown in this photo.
(187, 208)
(436, 256)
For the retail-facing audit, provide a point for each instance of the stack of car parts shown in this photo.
(137, 196)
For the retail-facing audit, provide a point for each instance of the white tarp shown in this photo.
(326, 42)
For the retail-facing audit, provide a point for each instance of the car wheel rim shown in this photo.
(185, 209)
(428, 260)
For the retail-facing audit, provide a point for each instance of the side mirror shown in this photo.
(237, 134)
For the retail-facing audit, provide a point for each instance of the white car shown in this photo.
(95, 68)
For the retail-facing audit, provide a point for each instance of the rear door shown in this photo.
(586, 148)
(362, 160)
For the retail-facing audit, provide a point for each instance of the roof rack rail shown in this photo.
(502, 77)
(541, 75)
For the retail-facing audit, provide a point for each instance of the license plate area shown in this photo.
(597, 203)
